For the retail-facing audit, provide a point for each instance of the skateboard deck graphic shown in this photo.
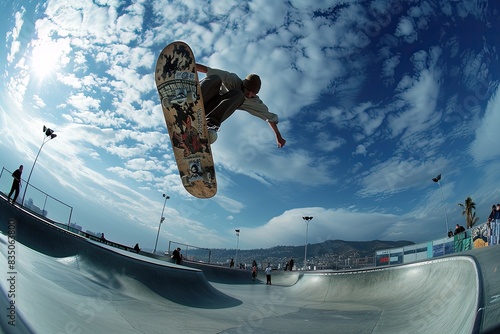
(182, 104)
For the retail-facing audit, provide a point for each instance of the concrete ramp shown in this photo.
(67, 284)
(440, 296)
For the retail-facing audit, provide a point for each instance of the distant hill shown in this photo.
(325, 253)
(363, 248)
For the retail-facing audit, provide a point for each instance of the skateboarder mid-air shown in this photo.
(224, 92)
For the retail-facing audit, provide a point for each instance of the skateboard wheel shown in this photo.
(165, 102)
(207, 177)
(212, 136)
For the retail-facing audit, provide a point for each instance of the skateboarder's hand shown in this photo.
(281, 141)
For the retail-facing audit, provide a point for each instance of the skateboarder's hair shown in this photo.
(252, 82)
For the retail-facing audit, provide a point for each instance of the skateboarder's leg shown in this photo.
(210, 87)
(219, 108)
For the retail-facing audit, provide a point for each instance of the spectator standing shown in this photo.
(495, 226)
(493, 213)
(291, 264)
(268, 274)
(254, 270)
(492, 223)
(16, 184)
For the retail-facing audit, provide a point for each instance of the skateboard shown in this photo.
(180, 95)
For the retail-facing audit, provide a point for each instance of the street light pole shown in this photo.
(49, 134)
(161, 221)
(437, 179)
(307, 220)
(237, 246)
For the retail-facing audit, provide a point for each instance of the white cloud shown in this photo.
(360, 149)
(229, 204)
(83, 102)
(406, 29)
(419, 99)
(327, 224)
(397, 175)
(14, 35)
(485, 147)
(38, 102)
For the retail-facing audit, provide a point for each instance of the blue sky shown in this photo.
(374, 98)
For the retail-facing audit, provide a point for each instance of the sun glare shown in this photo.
(44, 60)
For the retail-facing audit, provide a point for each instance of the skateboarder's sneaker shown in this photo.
(212, 131)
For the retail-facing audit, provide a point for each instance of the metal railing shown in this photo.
(190, 252)
(37, 201)
(482, 235)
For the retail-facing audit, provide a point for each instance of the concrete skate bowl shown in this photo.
(443, 295)
(162, 277)
(67, 283)
(103, 291)
(439, 296)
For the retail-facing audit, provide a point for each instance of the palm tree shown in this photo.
(469, 212)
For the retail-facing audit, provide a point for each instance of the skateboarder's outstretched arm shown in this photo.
(279, 139)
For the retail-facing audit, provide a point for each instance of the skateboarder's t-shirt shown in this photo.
(254, 106)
